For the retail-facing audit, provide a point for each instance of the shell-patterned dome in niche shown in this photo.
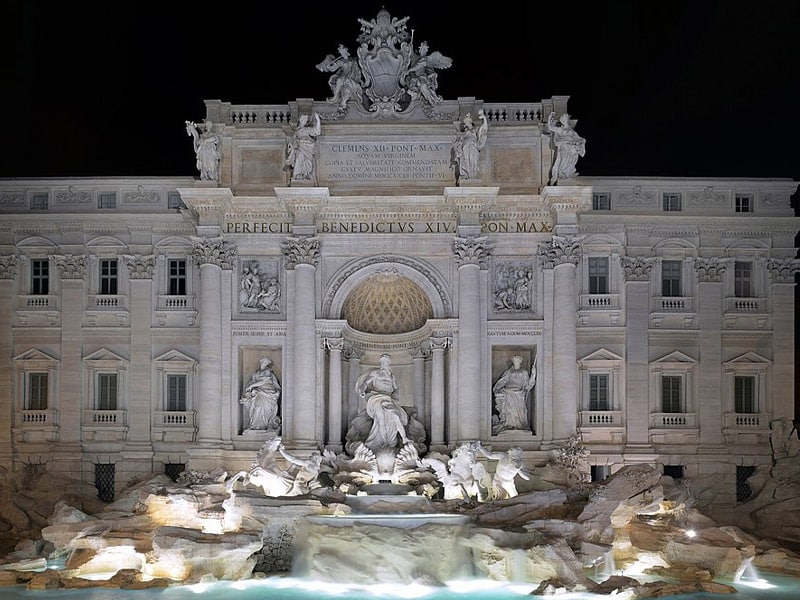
(387, 302)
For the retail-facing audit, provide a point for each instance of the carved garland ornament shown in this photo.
(636, 268)
(8, 266)
(783, 270)
(709, 270)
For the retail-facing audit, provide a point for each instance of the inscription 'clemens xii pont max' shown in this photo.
(388, 161)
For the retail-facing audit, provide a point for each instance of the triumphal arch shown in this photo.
(180, 322)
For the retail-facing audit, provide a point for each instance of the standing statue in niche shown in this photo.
(346, 79)
(466, 150)
(569, 147)
(300, 148)
(261, 399)
(511, 397)
(379, 387)
(206, 148)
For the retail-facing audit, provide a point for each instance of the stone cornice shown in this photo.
(470, 200)
(303, 204)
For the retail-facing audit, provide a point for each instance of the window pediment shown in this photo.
(35, 355)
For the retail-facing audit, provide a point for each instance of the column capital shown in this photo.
(70, 266)
(214, 251)
(636, 268)
(472, 250)
(783, 270)
(440, 343)
(709, 270)
(560, 250)
(301, 251)
(334, 343)
(139, 267)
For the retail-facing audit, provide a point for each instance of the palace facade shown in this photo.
(452, 235)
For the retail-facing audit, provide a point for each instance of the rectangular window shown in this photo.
(176, 392)
(177, 277)
(672, 202)
(601, 202)
(598, 275)
(107, 391)
(108, 276)
(40, 277)
(671, 277)
(744, 203)
(174, 200)
(174, 470)
(674, 471)
(743, 279)
(744, 394)
(600, 472)
(39, 202)
(107, 200)
(37, 391)
(671, 394)
(598, 392)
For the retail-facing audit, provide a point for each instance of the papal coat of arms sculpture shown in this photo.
(388, 75)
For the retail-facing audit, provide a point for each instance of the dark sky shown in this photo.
(671, 88)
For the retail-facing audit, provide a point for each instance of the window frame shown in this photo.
(106, 200)
(177, 278)
(106, 382)
(601, 201)
(108, 282)
(678, 265)
(753, 366)
(744, 203)
(671, 202)
(674, 364)
(39, 281)
(742, 284)
(595, 280)
(103, 362)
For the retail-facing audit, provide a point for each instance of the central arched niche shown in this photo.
(387, 302)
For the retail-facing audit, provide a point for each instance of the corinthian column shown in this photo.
(636, 271)
(212, 255)
(709, 310)
(782, 283)
(335, 347)
(8, 275)
(562, 255)
(302, 255)
(471, 255)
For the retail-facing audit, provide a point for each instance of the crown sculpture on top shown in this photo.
(388, 75)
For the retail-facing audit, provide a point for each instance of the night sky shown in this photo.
(659, 88)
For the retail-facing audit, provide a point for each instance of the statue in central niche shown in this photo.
(379, 387)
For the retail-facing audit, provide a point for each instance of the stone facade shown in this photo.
(658, 313)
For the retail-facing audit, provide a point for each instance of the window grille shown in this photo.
(104, 481)
(173, 470)
(743, 489)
